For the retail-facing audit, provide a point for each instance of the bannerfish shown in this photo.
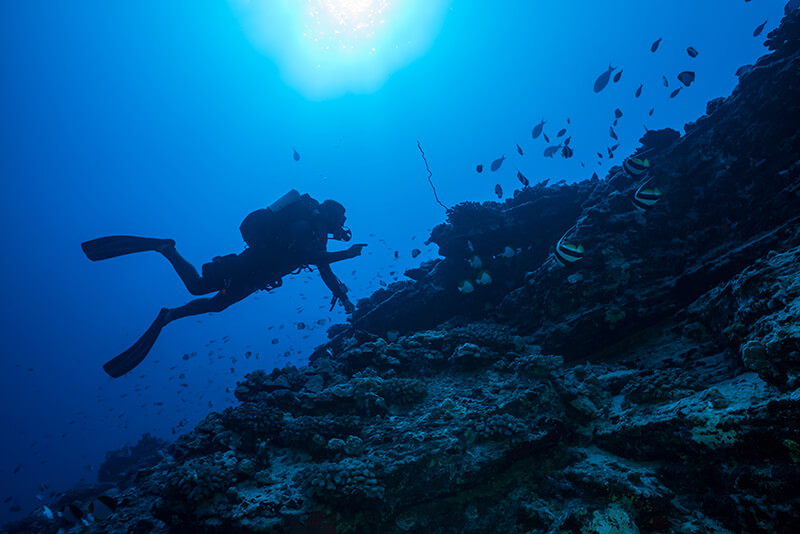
(635, 167)
(654, 46)
(566, 152)
(644, 199)
(479, 168)
(498, 191)
(639, 92)
(686, 77)
(618, 113)
(102, 507)
(602, 80)
(566, 253)
(466, 287)
(691, 51)
(296, 156)
(758, 30)
(71, 513)
(617, 76)
(499, 161)
(519, 149)
(537, 130)
(524, 181)
(674, 93)
(612, 133)
(561, 132)
(550, 151)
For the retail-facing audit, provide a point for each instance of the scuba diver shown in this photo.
(288, 236)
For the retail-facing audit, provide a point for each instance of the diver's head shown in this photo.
(331, 214)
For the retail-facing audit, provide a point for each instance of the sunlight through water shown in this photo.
(327, 48)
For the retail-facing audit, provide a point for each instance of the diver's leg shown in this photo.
(217, 303)
(196, 284)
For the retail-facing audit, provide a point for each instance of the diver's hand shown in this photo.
(355, 250)
(348, 306)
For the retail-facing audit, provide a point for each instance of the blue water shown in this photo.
(171, 119)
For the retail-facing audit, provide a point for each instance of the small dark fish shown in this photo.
(275, 341)
(524, 181)
(600, 155)
(566, 152)
(615, 122)
(415, 252)
(550, 151)
(537, 130)
(594, 176)
(666, 83)
(396, 254)
(651, 111)
(568, 120)
(15, 508)
(301, 326)
(547, 139)
(758, 30)
(691, 51)
(654, 46)
(499, 161)
(561, 132)
(610, 152)
(296, 156)
(686, 77)
(9, 499)
(479, 168)
(498, 190)
(567, 140)
(639, 92)
(674, 93)
(618, 113)
(519, 149)
(612, 133)
(615, 147)
(617, 76)
(16, 469)
(602, 80)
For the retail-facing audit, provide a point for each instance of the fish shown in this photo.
(519, 149)
(498, 190)
(396, 254)
(47, 512)
(508, 252)
(602, 80)
(666, 82)
(475, 261)
(71, 513)
(568, 120)
(392, 335)
(550, 151)
(639, 92)
(614, 147)
(644, 199)
(691, 51)
(758, 30)
(524, 181)
(617, 76)
(674, 93)
(651, 111)
(561, 132)
(300, 326)
(595, 177)
(635, 167)
(465, 287)
(499, 161)
(547, 139)
(296, 156)
(567, 140)
(103, 506)
(610, 153)
(618, 113)
(479, 168)
(567, 253)
(484, 278)
(612, 133)
(566, 152)
(600, 155)
(415, 252)
(654, 46)
(686, 77)
(537, 130)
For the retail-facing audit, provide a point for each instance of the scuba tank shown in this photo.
(264, 228)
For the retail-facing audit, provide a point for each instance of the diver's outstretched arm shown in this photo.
(336, 286)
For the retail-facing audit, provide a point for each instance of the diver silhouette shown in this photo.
(290, 235)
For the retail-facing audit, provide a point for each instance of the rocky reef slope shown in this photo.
(650, 387)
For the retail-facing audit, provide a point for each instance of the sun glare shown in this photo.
(326, 48)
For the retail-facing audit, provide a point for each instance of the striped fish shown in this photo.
(635, 167)
(644, 199)
(567, 252)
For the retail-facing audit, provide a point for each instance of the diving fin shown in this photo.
(112, 246)
(132, 357)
